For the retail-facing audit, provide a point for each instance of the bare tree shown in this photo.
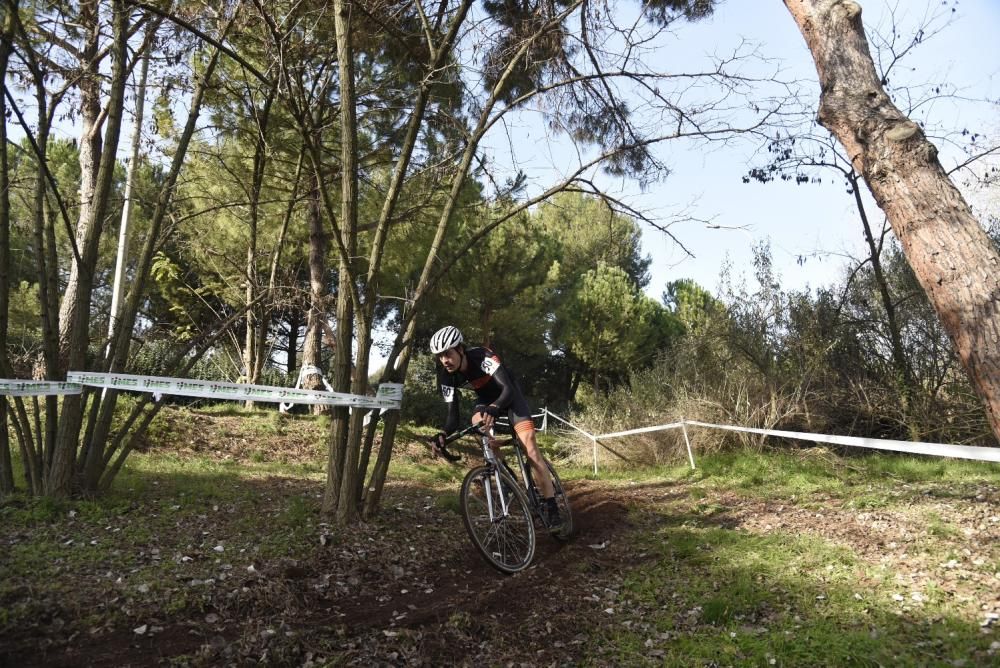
(70, 446)
(799, 155)
(555, 56)
(500, 62)
(953, 258)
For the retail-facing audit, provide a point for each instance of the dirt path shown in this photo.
(409, 589)
(419, 595)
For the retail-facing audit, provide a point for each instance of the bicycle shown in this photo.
(499, 511)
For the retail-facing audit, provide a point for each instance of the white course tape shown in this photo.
(391, 392)
(571, 425)
(305, 370)
(643, 430)
(235, 391)
(978, 453)
(37, 388)
(940, 449)
(310, 370)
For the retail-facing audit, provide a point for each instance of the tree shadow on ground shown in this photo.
(655, 575)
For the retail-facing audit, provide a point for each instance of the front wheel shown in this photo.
(498, 520)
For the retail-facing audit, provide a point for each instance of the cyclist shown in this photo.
(497, 393)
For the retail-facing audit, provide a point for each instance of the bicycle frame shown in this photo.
(500, 507)
(495, 464)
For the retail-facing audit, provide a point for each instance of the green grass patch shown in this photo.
(709, 595)
(450, 502)
(865, 482)
(700, 590)
(713, 596)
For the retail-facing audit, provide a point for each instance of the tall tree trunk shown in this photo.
(312, 347)
(394, 372)
(252, 322)
(372, 494)
(395, 369)
(951, 255)
(90, 158)
(272, 281)
(44, 234)
(60, 478)
(6, 465)
(345, 436)
(351, 492)
(127, 205)
(294, 322)
(98, 475)
(255, 314)
(399, 359)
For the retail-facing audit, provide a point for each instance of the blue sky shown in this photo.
(818, 222)
(810, 220)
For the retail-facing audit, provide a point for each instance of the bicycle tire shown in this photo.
(507, 543)
(565, 531)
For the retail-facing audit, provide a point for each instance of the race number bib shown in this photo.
(448, 392)
(490, 364)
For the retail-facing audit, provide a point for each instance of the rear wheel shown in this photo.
(498, 520)
(565, 530)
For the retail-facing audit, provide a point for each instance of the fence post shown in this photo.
(594, 439)
(545, 419)
(686, 441)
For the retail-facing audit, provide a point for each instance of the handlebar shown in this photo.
(451, 438)
(459, 434)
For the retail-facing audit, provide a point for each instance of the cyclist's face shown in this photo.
(450, 359)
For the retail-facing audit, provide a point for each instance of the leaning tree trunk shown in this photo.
(950, 253)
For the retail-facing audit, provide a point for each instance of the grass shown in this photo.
(702, 593)
(712, 596)
(162, 504)
(870, 480)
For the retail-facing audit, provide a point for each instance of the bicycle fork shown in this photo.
(493, 478)
(489, 482)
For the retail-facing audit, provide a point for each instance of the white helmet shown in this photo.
(444, 339)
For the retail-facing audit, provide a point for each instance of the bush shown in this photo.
(422, 404)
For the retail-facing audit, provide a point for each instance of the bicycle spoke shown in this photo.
(510, 541)
(507, 540)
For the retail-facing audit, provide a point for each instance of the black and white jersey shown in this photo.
(491, 381)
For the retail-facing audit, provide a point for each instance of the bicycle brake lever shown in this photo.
(441, 449)
(448, 455)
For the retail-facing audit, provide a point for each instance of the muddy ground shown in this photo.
(409, 589)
